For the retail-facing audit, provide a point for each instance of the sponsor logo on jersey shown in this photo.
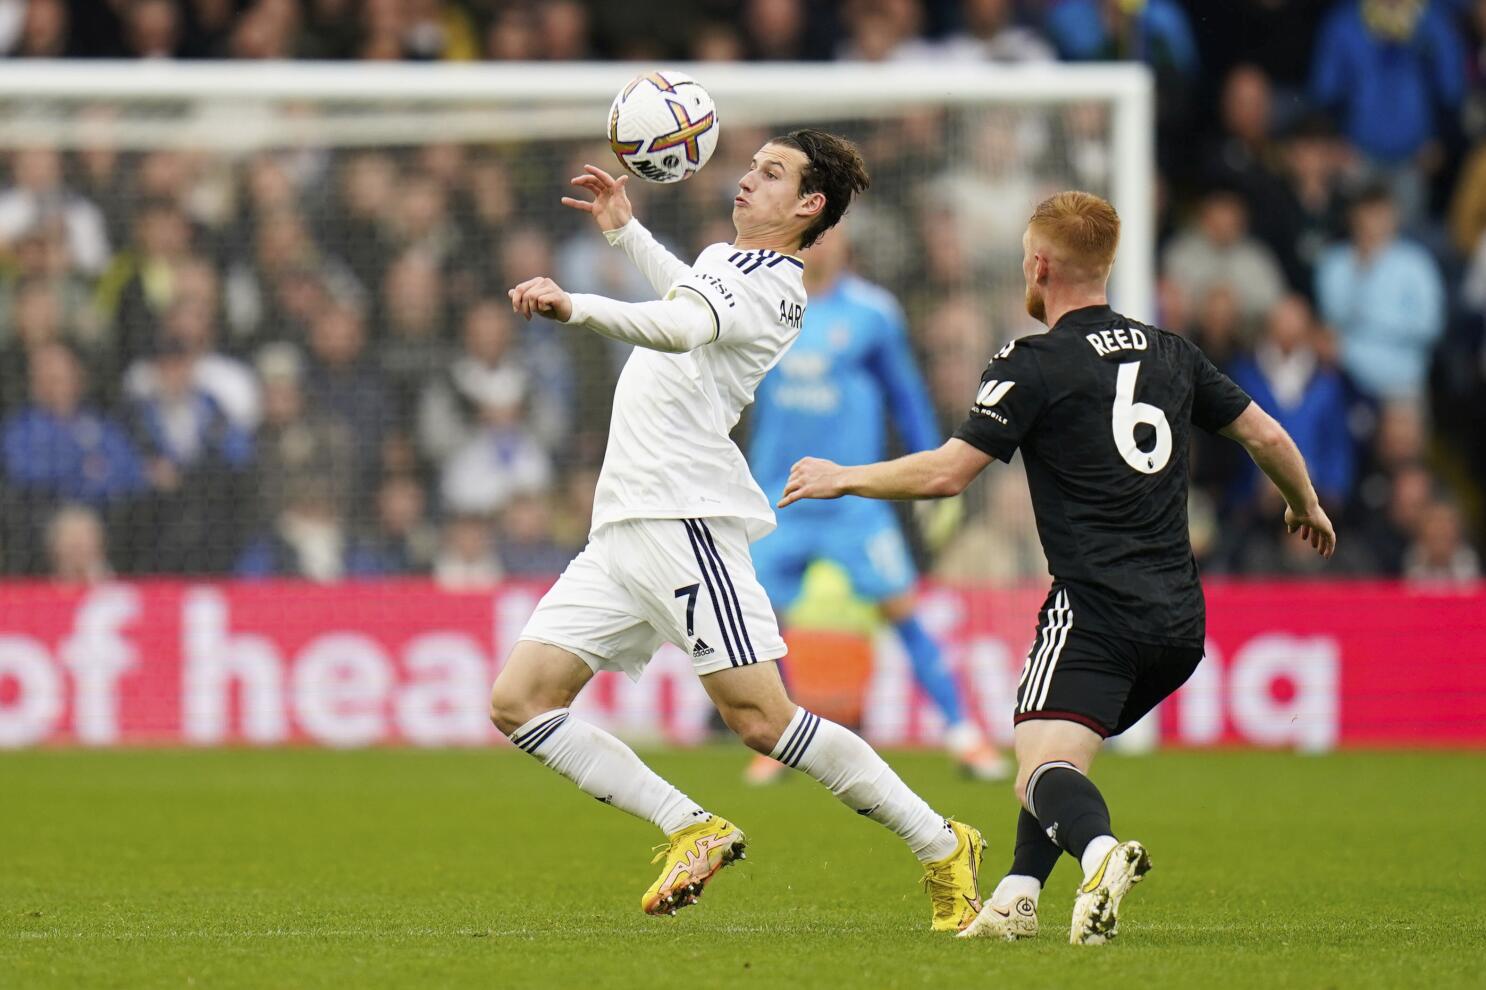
(992, 392)
(719, 285)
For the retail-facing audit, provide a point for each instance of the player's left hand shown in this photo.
(541, 296)
(812, 477)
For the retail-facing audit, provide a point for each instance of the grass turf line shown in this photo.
(306, 868)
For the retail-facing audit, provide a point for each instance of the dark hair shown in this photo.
(833, 166)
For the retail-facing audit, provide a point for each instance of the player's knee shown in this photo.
(1023, 774)
(754, 727)
(511, 708)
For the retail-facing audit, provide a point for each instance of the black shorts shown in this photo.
(1105, 682)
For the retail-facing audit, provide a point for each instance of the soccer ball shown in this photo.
(663, 126)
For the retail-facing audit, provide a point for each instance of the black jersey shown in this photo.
(1099, 407)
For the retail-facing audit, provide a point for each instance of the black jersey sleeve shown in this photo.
(1216, 400)
(1008, 401)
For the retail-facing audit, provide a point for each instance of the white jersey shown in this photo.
(669, 453)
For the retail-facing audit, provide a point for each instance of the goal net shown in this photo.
(323, 253)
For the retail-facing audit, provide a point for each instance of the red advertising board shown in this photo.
(1305, 665)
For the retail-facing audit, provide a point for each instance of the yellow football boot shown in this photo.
(952, 882)
(692, 857)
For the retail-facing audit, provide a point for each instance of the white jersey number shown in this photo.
(1128, 414)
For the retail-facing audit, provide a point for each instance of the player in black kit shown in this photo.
(1100, 408)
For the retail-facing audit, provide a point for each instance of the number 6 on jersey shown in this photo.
(1128, 414)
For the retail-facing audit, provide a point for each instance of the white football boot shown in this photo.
(1009, 923)
(1097, 906)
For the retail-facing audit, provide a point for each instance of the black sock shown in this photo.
(1069, 807)
(1036, 854)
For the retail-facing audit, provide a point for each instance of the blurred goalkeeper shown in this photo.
(674, 512)
(1101, 408)
(831, 396)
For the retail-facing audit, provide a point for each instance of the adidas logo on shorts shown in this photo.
(701, 650)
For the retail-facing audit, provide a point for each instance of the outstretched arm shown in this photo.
(611, 210)
(937, 473)
(1277, 456)
(681, 323)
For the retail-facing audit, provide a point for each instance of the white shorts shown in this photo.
(643, 582)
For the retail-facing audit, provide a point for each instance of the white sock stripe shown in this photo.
(536, 723)
(800, 740)
(787, 738)
(1055, 616)
(1052, 663)
(531, 742)
(1037, 776)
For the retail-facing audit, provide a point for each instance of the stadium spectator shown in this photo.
(1467, 217)
(191, 322)
(1245, 157)
(1284, 374)
(1385, 297)
(197, 460)
(38, 195)
(58, 448)
(343, 381)
(1218, 251)
(1156, 32)
(411, 347)
(1315, 168)
(988, 32)
(563, 26)
(276, 293)
(883, 31)
(1390, 531)
(37, 315)
(296, 444)
(152, 28)
(776, 30)
(402, 541)
(716, 41)
(44, 29)
(467, 560)
(449, 409)
(501, 459)
(525, 542)
(513, 35)
(1388, 67)
(77, 547)
(140, 282)
(307, 540)
(1439, 553)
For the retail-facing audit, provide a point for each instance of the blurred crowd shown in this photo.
(302, 363)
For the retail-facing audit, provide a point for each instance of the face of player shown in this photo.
(1034, 269)
(769, 205)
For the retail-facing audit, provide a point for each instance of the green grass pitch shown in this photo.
(298, 868)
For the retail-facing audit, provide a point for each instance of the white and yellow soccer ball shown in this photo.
(663, 126)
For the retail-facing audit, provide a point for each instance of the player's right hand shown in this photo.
(610, 206)
(1314, 527)
(541, 296)
(813, 477)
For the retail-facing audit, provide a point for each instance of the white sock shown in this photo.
(607, 769)
(852, 770)
(1016, 885)
(1094, 853)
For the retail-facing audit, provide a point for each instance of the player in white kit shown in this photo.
(674, 513)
